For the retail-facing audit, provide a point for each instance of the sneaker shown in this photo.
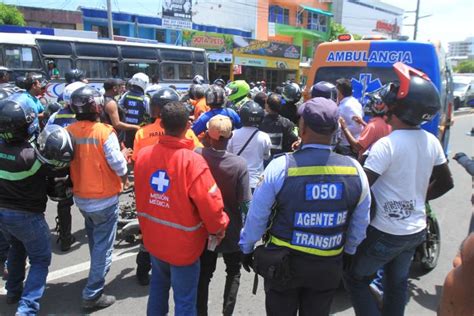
(13, 299)
(377, 293)
(102, 301)
(66, 242)
(144, 279)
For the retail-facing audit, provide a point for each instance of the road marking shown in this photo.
(84, 266)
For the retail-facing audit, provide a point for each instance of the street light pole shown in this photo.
(417, 12)
(109, 20)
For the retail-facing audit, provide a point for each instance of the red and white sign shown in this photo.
(385, 27)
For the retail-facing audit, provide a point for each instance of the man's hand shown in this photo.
(347, 261)
(359, 120)
(127, 153)
(458, 155)
(220, 235)
(342, 122)
(296, 144)
(247, 261)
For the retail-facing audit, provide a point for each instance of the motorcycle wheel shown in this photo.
(432, 245)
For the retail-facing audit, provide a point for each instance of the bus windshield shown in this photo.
(21, 57)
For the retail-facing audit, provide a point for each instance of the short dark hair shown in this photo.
(111, 83)
(261, 99)
(274, 102)
(155, 78)
(31, 78)
(92, 117)
(344, 86)
(174, 117)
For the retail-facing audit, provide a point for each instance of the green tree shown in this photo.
(11, 15)
(336, 29)
(466, 66)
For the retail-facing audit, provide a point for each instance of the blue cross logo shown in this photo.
(159, 181)
(364, 84)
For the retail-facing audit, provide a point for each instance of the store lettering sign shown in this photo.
(381, 56)
(387, 27)
(271, 49)
(208, 42)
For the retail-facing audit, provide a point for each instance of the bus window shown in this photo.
(55, 47)
(199, 57)
(168, 54)
(62, 65)
(168, 71)
(130, 69)
(96, 50)
(186, 71)
(133, 52)
(199, 70)
(101, 69)
(21, 57)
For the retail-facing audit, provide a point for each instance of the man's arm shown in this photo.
(352, 141)
(111, 109)
(114, 155)
(441, 182)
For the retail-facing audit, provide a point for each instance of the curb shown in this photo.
(463, 111)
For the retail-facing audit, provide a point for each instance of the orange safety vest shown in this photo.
(91, 175)
(200, 107)
(178, 201)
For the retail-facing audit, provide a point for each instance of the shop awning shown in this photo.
(314, 10)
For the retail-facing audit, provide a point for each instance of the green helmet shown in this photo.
(237, 90)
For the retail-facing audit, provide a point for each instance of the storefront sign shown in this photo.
(267, 62)
(215, 42)
(386, 27)
(237, 69)
(219, 58)
(177, 14)
(272, 49)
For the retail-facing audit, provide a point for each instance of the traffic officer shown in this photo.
(317, 203)
(291, 95)
(65, 117)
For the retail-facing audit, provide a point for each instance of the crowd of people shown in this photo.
(275, 184)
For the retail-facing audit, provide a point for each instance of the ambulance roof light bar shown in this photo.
(345, 37)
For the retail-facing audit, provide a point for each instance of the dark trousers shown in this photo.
(143, 261)
(64, 217)
(232, 282)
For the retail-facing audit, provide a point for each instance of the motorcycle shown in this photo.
(129, 229)
(427, 254)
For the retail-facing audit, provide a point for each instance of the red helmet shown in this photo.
(414, 98)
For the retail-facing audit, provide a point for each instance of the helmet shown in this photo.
(373, 103)
(196, 91)
(51, 108)
(198, 79)
(140, 80)
(55, 146)
(4, 93)
(215, 96)
(291, 92)
(220, 82)
(414, 98)
(251, 114)
(59, 189)
(163, 96)
(74, 75)
(17, 120)
(237, 90)
(69, 89)
(152, 89)
(86, 100)
(20, 82)
(324, 89)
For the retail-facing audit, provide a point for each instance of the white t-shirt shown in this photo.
(404, 160)
(255, 153)
(348, 108)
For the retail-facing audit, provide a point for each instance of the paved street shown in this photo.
(68, 271)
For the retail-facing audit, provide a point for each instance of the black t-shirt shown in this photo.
(232, 178)
(290, 111)
(281, 132)
(22, 179)
(105, 117)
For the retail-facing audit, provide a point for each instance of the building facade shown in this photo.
(51, 18)
(462, 49)
(368, 17)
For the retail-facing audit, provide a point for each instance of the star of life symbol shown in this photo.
(160, 181)
(363, 85)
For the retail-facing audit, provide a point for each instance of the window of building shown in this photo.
(279, 15)
(103, 31)
(96, 68)
(21, 57)
(317, 22)
(161, 35)
(129, 69)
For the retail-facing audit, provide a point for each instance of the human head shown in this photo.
(260, 98)
(174, 119)
(219, 131)
(86, 103)
(115, 71)
(251, 114)
(139, 81)
(344, 88)
(237, 90)
(112, 86)
(324, 89)
(51, 64)
(162, 97)
(273, 105)
(69, 89)
(318, 120)
(55, 146)
(155, 78)
(196, 91)
(35, 83)
(220, 82)
(291, 93)
(215, 96)
(198, 79)
(17, 120)
(74, 75)
(4, 74)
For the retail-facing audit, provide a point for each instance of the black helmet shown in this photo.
(414, 98)
(196, 91)
(198, 79)
(373, 104)
(251, 114)
(219, 82)
(59, 189)
(4, 93)
(17, 120)
(55, 146)
(291, 92)
(325, 90)
(20, 82)
(86, 100)
(215, 96)
(163, 96)
(52, 107)
(74, 75)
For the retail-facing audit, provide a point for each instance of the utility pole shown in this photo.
(109, 20)
(417, 13)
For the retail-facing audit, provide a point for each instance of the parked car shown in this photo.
(463, 90)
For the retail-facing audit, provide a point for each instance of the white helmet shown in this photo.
(152, 89)
(140, 80)
(69, 89)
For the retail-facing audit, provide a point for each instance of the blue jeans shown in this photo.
(101, 227)
(4, 246)
(184, 281)
(28, 235)
(392, 252)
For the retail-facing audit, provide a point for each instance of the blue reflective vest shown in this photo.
(134, 105)
(313, 208)
(64, 118)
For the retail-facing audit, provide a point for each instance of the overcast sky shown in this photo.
(450, 20)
